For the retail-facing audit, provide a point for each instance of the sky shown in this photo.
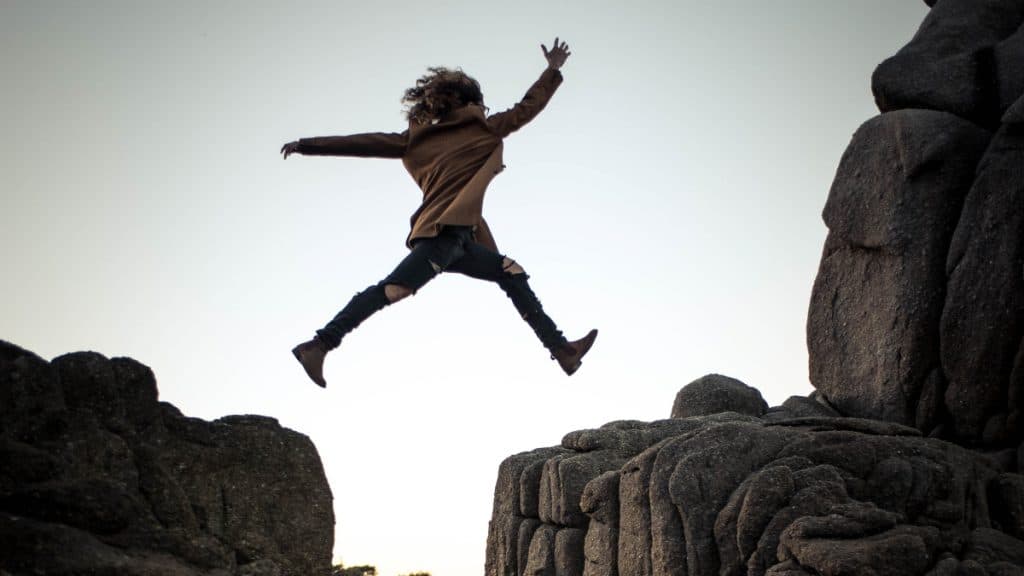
(669, 195)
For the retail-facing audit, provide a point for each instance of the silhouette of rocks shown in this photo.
(99, 477)
(906, 458)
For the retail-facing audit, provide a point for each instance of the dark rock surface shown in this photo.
(951, 64)
(983, 319)
(917, 313)
(99, 477)
(734, 494)
(906, 458)
(873, 325)
(715, 393)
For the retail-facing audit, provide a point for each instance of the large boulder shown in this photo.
(715, 393)
(873, 323)
(956, 62)
(105, 479)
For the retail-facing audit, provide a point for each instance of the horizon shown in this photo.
(669, 195)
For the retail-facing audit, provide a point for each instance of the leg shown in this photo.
(514, 282)
(427, 258)
(311, 354)
(396, 292)
(425, 261)
(481, 263)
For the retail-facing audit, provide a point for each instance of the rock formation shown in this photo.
(917, 313)
(98, 477)
(906, 457)
(796, 490)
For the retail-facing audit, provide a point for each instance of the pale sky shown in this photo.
(669, 195)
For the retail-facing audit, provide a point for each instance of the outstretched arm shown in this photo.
(371, 145)
(504, 123)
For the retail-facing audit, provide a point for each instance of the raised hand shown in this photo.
(557, 55)
(289, 148)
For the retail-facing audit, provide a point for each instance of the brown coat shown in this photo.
(452, 160)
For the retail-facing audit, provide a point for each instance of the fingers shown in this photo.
(556, 46)
(558, 53)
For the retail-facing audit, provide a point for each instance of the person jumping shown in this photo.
(452, 149)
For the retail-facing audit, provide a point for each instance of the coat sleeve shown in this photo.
(369, 145)
(504, 123)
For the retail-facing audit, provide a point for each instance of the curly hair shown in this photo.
(438, 92)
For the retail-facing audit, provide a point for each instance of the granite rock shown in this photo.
(106, 479)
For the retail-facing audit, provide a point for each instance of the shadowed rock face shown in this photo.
(873, 327)
(983, 319)
(98, 477)
(966, 59)
(905, 458)
(917, 314)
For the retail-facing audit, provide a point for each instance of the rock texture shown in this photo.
(715, 393)
(905, 459)
(983, 319)
(917, 313)
(877, 302)
(99, 477)
(794, 491)
(965, 59)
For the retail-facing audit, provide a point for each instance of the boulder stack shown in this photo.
(798, 490)
(906, 458)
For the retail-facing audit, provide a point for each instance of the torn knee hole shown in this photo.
(510, 266)
(395, 292)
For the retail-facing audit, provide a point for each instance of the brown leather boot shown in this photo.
(311, 355)
(570, 356)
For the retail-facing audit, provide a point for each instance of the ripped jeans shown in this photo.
(453, 250)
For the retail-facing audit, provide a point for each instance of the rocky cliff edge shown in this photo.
(98, 477)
